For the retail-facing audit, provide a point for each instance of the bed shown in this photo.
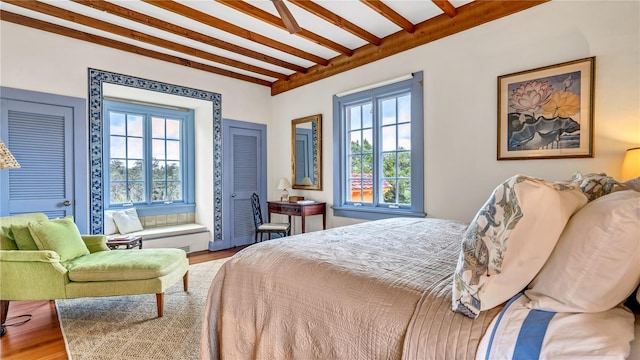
(376, 290)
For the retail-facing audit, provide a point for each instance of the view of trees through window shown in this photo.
(133, 139)
(392, 122)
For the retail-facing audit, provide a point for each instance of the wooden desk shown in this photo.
(293, 209)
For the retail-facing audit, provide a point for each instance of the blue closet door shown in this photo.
(40, 137)
(244, 172)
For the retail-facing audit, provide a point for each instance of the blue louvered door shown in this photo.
(40, 137)
(244, 165)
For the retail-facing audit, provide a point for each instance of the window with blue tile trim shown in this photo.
(149, 158)
(379, 151)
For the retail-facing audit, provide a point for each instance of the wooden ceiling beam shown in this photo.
(468, 16)
(336, 20)
(132, 15)
(99, 40)
(138, 36)
(220, 24)
(446, 7)
(390, 14)
(273, 20)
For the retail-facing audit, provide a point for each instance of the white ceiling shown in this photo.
(354, 11)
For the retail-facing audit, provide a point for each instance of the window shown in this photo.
(379, 153)
(149, 158)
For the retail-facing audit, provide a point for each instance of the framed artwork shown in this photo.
(547, 113)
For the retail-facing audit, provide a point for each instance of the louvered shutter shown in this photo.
(40, 138)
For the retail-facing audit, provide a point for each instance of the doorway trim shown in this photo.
(227, 124)
(96, 79)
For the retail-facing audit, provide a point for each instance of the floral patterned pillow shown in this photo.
(509, 240)
(595, 185)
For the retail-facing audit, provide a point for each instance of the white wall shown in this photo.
(40, 61)
(460, 100)
(460, 77)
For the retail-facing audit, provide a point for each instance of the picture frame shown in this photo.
(547, 112)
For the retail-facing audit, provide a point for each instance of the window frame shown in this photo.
(187, 154)
(378, 209)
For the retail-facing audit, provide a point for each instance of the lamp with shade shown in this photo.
(631, 164)
(283, 185)
(7, 161)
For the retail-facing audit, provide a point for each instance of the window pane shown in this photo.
(116, 123)
(355, 190)
(367, 139)
(404, 167)
(404, 192)
(157, 149)
(173, 150)
(135, 148)
(367, 164)
(118, 193)
(174, 189)
(388, 191)
(389, 165)
(117, 148)
(173, 129)
(367, 115)
(136, 192)
(116, 170)
(355, 120)
(389, 138)
(134, 125)
(173, 170)
(158, 192)
(388, 111)
(355, 164)
(157, 127)
(135, 171)
(356, 145)
(404, 108)
(404, 137)
(159, 170)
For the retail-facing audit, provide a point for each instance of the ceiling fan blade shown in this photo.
(288, 19)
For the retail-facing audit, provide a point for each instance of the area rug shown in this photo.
(127, 327)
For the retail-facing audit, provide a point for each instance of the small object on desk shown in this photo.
(305, 202)
(295, 199)
(128, 241)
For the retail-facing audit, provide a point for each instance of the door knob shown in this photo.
(233, 195)
(67, 203)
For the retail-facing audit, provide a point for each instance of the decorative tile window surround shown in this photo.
(96, 204)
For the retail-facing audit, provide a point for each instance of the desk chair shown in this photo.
(282, 229)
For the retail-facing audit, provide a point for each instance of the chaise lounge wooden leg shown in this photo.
(160, 302)
(185, 281)
(4, 309)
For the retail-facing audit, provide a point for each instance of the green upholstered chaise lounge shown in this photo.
(77, 265)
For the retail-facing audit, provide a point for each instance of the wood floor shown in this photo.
(41, 337)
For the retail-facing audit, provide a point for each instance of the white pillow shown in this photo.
(509, 240)
(520, 332)
(596, 264)
(127, 221)
(110, 226)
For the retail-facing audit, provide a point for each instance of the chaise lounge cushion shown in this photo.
(23, 238)
(6, 237)
(59, 235)
(119, 265)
